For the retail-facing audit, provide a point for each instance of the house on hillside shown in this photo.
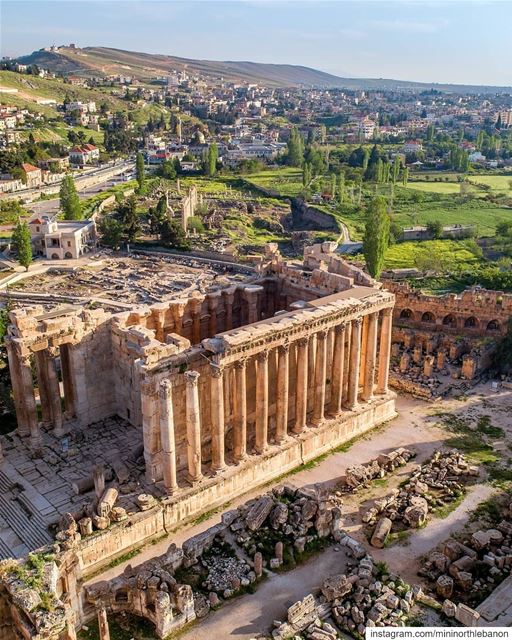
(86, 154)
(32, 176)
(62, 239)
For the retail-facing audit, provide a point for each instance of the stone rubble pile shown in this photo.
(353, 601)
(468, 571)
(295, 518)
(360, 475)
(437, 482)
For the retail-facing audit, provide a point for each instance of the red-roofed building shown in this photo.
(32, 176)
(86, 154)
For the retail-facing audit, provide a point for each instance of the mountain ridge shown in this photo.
(90, 61)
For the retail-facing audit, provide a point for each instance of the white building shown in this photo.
(62, 239)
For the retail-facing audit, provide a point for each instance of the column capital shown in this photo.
(241, 363)
(191, 378)
(358, 321)
(262, 356)
(165, 389)
(321, 335)
(387, 312)
(216, 370)
(303, 342)
(283, 349)
(340, 328)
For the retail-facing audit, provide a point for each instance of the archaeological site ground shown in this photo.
(207, 448)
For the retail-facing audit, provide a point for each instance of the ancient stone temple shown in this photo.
(215, 376)
(219, 392)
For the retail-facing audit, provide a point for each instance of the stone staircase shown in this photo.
(21, 517)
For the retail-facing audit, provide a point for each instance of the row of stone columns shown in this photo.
(252, 294)
(338, 355)
(49, 390)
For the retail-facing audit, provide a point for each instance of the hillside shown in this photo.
(102, 61)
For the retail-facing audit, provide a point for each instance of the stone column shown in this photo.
(346, 362)
(362, 352)
(261, 402)
(213, 304)
(385, 348)
(371, 356)
(68, 381)
(196, 303)
(282, 392)
(193, 426)
(229, 300)
(311, 372)
(54, 390)
(240, 421)
(338, 367)
(29, 404)
(167, 437)
(301, 385)
(355, 353)
(44, 391)
(178, 310)
(252, 294)
(217, 416)
(103, 624)
(320, 375)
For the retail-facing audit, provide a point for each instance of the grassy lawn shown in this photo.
(287, 181)
(500, 184)
(446, 188)
(452, 253)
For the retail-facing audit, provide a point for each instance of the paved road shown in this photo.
(51, 206)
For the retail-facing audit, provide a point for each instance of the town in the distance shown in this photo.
(256, 350)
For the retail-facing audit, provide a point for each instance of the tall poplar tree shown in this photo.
(23, 244)
(376, 236)
(69, 200)
(139, 171)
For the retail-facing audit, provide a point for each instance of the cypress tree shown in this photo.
(69, 200)
(139, 170)
(23, 244)
(376, 236)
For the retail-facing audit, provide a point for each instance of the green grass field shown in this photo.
(498, 183)
(450, 253)
(445, 188)
(286, 181)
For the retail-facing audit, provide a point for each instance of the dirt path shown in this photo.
(245, 617)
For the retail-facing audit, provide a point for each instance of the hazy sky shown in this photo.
(465, 41)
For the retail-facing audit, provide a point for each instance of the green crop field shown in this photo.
(450, 253)
(286, 181)
(498, 183)
(445, 188)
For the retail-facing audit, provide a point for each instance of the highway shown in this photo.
(43, 207)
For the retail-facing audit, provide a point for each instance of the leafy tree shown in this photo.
(23, 244)
(111, 232)
(376, 236)
(295, 147)
(167, 170)
(140, 172)
(69, 200)
(397, 164)
(435, 228)
(127, 214)
(306, 174)
(173, 234)
(405, 176)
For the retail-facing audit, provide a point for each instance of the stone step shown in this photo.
(30, 530)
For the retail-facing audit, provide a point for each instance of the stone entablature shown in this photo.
(472, 312)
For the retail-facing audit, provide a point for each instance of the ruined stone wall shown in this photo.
(472, 312)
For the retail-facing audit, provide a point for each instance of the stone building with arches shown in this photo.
(62, 239)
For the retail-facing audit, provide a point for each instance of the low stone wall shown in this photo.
(94, 552)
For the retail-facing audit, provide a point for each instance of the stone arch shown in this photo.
(450, 321)
(428, 317)
(471, 322)
(406, 314)
(68, 254)
(55, 256)
(493, 325)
